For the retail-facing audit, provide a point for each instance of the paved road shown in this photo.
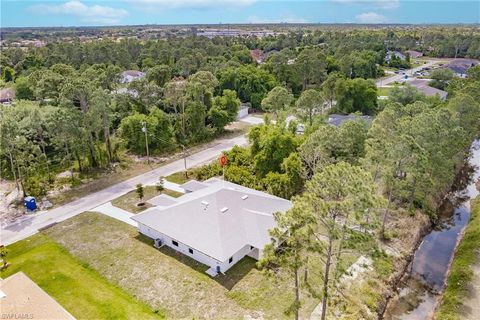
(21, 230)
(397, 77)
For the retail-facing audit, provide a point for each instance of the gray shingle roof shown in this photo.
(200, 221)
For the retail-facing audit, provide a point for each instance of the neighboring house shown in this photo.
(130, 92)
(398, 54)
(257, 55)
(216, 222)
(422, 86)
(131, 75)
(242, 111)
(21, 298)
(460, 66)
(300, 126)
(337, 119)
(414, 54)
(7, 95)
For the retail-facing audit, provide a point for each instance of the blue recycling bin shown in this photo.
(30, 203)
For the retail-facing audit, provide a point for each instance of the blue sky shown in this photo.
(21, 13)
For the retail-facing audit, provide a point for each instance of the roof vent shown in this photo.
(224, 209)
(245, 197)
(205, 204)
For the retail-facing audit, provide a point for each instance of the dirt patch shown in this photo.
(169, 281)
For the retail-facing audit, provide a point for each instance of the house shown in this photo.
(337, 119)
(20, 296)
(460, 66)
(300, 129)
(215, 222)
(414, 54)
(257, 55)
(129, 92)
(398, 54)
(242, 111)
(131, 75)
(422, 86)
(7, 95)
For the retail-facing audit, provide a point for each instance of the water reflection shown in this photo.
(428, 269)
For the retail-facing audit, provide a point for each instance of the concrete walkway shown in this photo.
(21, 230)
(170, 185)
(110, 210)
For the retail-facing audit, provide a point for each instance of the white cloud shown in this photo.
(284, 19)
(379, 4)
(191, 4)
(371, 17)
(89, 14)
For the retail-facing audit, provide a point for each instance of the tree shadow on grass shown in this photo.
(228, 280)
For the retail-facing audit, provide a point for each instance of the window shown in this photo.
(190, 251)
(252, 247)
(230, 260)
(175, 243)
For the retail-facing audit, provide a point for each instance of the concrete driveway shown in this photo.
(27, 227)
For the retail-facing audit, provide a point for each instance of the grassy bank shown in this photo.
(461, 273)
(79, 289)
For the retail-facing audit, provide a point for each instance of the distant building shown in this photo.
(337, 119)
(215, 222)
(414, 54)
(460, 66)
(242, 111)
(129, 92)
(131, 75)
(7, 95)
(21, 298)
(300, 129)
(398, 54)
(257, 55)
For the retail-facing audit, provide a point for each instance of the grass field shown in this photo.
(455, 301)
(383, 91)
(129, 200)
(78, 288)
(172, 282)
(177, 177)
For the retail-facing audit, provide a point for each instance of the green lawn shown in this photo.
(173, 282)
(178, 177)
(129, 200)
(78, 288)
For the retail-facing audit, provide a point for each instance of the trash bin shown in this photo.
(30, 203)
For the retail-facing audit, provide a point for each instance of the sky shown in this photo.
(45, 13)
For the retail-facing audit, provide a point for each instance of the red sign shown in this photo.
(223, 160)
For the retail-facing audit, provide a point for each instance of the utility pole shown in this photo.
(185, 160)
(144, 129)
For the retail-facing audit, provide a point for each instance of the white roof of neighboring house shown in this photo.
(7, 94)
(422, 86)
(337, 119)
(133, 73)
(219, 219)
(21, 296)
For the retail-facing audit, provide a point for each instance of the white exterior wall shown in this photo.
(236, 257)
(182, 248)
(197, 255)
(242, 113)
